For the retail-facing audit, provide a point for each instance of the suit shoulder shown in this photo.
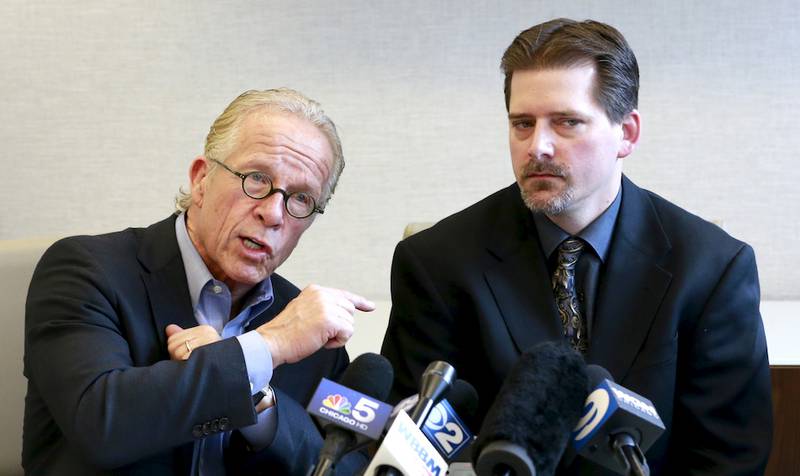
(107, 246)
(690, 232)
(461, 226)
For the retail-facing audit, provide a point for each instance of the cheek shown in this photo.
(292, 235)
(227, 217)
(519, 156)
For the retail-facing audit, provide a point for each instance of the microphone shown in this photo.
(445, 426)
(405, 450)
(395, 456)
(436, 381)
(527, 427)
(464, 399)
(617, 426)
(366, 381)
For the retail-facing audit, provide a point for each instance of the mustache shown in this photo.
(536, 167)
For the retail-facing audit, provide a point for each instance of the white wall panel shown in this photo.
(103, 105)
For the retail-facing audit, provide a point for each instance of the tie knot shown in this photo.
(569, 250)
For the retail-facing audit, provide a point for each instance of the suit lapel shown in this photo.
(632, 285)
(519, 280)
(165, 278)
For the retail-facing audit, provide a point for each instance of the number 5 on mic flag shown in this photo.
(349, 409)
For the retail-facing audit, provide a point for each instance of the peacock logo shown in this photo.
(337, 403)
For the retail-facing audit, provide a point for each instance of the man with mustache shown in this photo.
(575, 252)
(177, 349)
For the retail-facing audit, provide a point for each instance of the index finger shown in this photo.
(360, 302)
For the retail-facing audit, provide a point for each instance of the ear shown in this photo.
(198, 173)
(631, 127)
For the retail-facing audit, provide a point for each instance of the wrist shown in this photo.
(273, 346)
(263, 399)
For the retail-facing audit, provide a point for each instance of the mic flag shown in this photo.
(350, 417)
(407, 450)
(445, 429)
(615, 416)
(349, 409)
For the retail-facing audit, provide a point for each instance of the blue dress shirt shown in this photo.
(211, 303)
(597, 236)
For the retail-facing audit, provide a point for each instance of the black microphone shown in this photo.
(528, 426)
(436, 381)
(448, 424)
(464, 399)
(370, 374)
(617, 426)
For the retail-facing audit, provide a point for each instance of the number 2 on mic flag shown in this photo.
(446, 430)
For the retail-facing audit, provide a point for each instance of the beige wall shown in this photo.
(103, 104)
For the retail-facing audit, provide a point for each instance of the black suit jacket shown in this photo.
(676, 320)
(103, 396)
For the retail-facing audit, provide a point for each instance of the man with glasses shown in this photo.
(176, 349)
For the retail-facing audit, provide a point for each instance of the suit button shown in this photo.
(224, 424)
(207, 428)
(197, 431)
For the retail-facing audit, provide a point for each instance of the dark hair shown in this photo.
(564, 43)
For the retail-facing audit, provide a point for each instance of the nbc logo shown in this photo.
(337, 403)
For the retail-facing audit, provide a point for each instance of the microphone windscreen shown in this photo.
(464, 399)
(370, 374)
(538, 404)
(597, 374)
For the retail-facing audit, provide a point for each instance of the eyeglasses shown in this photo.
(259, 186)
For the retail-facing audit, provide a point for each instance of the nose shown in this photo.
(270, 210)
(541, 145)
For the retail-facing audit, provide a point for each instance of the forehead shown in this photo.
(283, 140)
(553, 90)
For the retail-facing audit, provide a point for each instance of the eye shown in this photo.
(522, 124)
(302, 198)
(257, 184)
(259, 178)
(570, 122)
(300, 204)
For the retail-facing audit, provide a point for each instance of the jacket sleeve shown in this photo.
(294, 449)
(79, 366)
(723, 412)
(421, 325)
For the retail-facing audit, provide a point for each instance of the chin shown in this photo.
(551, 204)
(248, 276)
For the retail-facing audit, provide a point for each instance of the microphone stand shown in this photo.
(631, 455)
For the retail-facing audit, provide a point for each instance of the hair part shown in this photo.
(223, 136)
(565, 43)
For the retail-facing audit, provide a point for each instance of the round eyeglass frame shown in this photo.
(272, 190)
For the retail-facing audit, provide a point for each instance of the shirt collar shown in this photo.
(198, 276)
(597, 234)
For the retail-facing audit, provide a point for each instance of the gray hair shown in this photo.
(224, 132)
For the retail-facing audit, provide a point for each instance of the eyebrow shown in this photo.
(567, 113)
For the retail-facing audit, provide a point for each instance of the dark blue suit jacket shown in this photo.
(103, 396)
(676, 320)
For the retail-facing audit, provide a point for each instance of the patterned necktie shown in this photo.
(569, 308)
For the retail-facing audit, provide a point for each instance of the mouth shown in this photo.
(255, 245)
(534, 170)
(543, 175)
